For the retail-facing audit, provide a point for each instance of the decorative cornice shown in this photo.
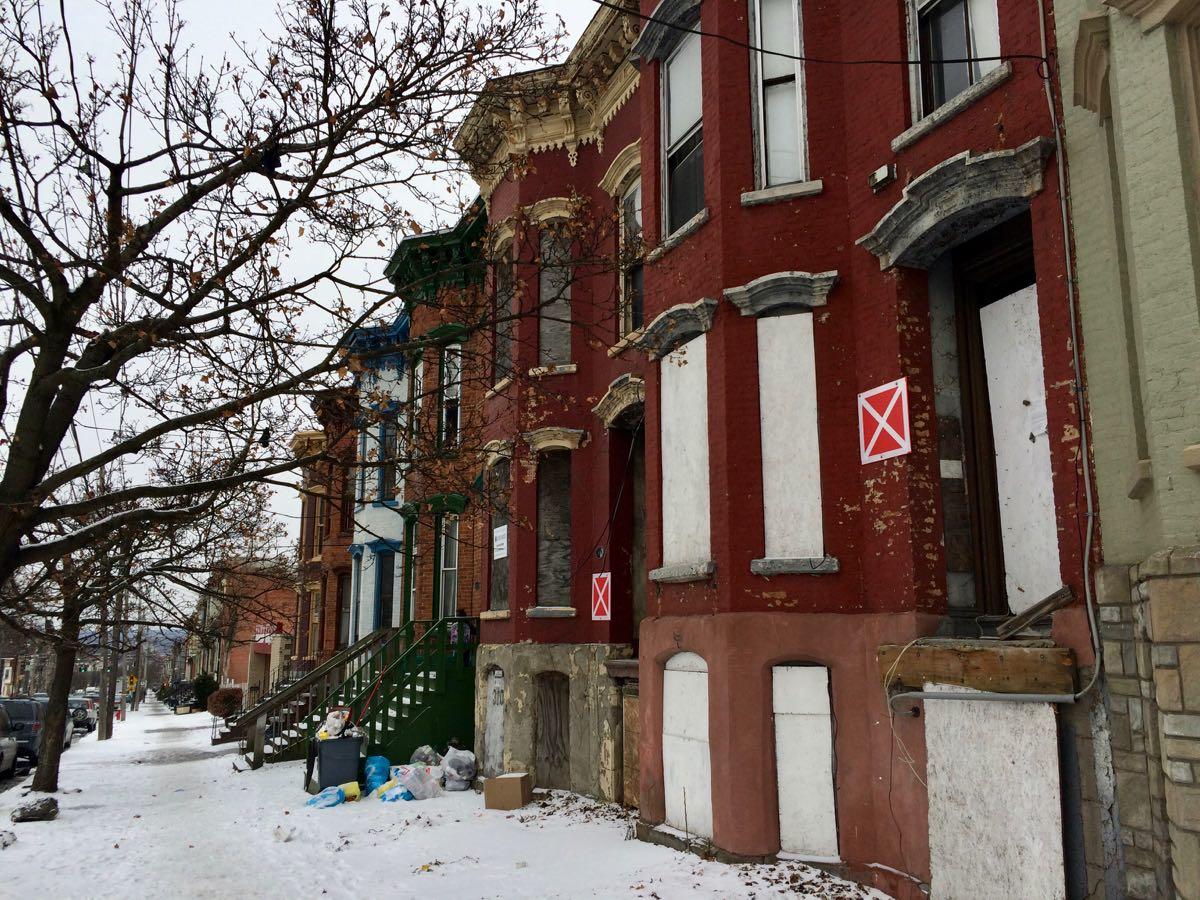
(1091, 66)
(1152, 13)
(782, 291)
(676, 326)
(308, 441)
(626, 392)
(663, 28)
(553, 438)
(494, 451)
(621, 168)
(955, 200)
(550, 208)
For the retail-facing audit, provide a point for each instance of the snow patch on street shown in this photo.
(156, 811)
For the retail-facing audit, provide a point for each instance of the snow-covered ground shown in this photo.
(158, 812)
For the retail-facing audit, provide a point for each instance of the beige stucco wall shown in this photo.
(1135, 227)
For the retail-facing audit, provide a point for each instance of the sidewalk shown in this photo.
(157, 811)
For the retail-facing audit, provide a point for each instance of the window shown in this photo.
(450, 394)
(410, 564)
(503, 294)
(307, 524)
(498, 477)
(554, 528)
(947, 33)
(343, 599)
(416, 386)
(385, 580)
(346, 510)
(319, 527)
(314, 622)
(448, 589)
(554, 300)
(684, 138)
(362, 469)
(387, 461)
(780, 95)
(631, 258)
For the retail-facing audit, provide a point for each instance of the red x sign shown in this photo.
(602, 596)
(883, 422)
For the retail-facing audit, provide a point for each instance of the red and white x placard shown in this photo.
(602, 596)
(883, 430)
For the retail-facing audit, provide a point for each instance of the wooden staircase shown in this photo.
(425, 694)
(270, 729)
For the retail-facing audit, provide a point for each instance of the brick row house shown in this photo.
(695, 423)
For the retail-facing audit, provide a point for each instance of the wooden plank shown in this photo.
(1008, 668)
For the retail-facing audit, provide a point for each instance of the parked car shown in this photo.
(8, 746)
(83, 713)
(28, 718)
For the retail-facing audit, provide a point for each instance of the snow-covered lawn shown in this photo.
(158, 812)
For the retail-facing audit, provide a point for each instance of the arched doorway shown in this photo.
(687, 767)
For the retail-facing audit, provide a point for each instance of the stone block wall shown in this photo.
(1150, 625)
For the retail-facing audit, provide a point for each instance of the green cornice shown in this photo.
(425, 263)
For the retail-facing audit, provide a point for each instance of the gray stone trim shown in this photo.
(956, 200)
(800, 565)
(696, 571)
(678, 236)
(783, 192)
(551, 612)
(782, 290)
(661, 33)
(625, 392)
(674, 327)
(953, 107)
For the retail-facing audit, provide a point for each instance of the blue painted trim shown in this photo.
(356, 550)
(384, 544)
(391, 504)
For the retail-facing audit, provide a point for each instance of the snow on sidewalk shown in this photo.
(157, 811)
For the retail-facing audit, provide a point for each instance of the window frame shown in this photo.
(447, 441)
(444, 520)
(665, 132)
(388, 472)
(630, 259)
(916, 10)
(503, 332)
(759, 85)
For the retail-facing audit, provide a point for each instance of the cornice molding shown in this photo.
(1152, 13)
(1091, 65)
(307, 441)
(782, 291)
(626, 392)
(676, 326)
(552, 437)
(956, 200)
(622, 166)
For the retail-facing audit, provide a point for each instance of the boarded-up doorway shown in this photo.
(804, 761)
(493, 724)
(687, 767)
(552, 730)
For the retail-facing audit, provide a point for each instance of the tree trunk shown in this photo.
(104, 717)
(54, 725)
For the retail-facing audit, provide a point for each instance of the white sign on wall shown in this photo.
(500, 542)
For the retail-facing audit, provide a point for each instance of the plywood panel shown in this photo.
(684, 415)
(804, 761)
(687, 768)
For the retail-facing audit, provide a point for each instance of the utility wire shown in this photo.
(611, 4)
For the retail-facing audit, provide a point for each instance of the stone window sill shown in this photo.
(677, 574)
(625, 343)
(559, 369)
(498, 387)
(551, 612)
(780, 192)
(494, 615)
(682, 233)
(802, 565)
(953, 107)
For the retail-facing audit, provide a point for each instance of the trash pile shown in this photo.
(427, 774)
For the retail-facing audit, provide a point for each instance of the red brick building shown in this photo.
(252, 606)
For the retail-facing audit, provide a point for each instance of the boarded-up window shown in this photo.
(554, 301)
(504, 293)
(554, 528)
(683, 390)
(498, 586)
(552, 724)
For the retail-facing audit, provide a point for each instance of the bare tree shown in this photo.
(184, 245)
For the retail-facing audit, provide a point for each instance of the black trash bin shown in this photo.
(337, 761)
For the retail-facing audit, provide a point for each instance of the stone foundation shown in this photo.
(595, 748)
(1150, 624)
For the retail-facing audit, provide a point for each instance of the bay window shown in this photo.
(780, 92)
(684, 134)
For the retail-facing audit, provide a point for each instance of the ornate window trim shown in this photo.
(1091, 66)
(625, 392)
(622, 169)
(552, 437)
(676, 326)
(781, 291)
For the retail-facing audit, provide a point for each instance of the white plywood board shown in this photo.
(684, 421)
(687, 767)
(995, 821)
(1012, 349)
(804, 761)
(791, 456)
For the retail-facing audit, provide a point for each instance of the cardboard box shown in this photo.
(511, 791)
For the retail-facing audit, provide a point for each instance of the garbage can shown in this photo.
(337, 761)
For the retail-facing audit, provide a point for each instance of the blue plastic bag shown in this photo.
(331, 796)
(376, 772)
(391, 795)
